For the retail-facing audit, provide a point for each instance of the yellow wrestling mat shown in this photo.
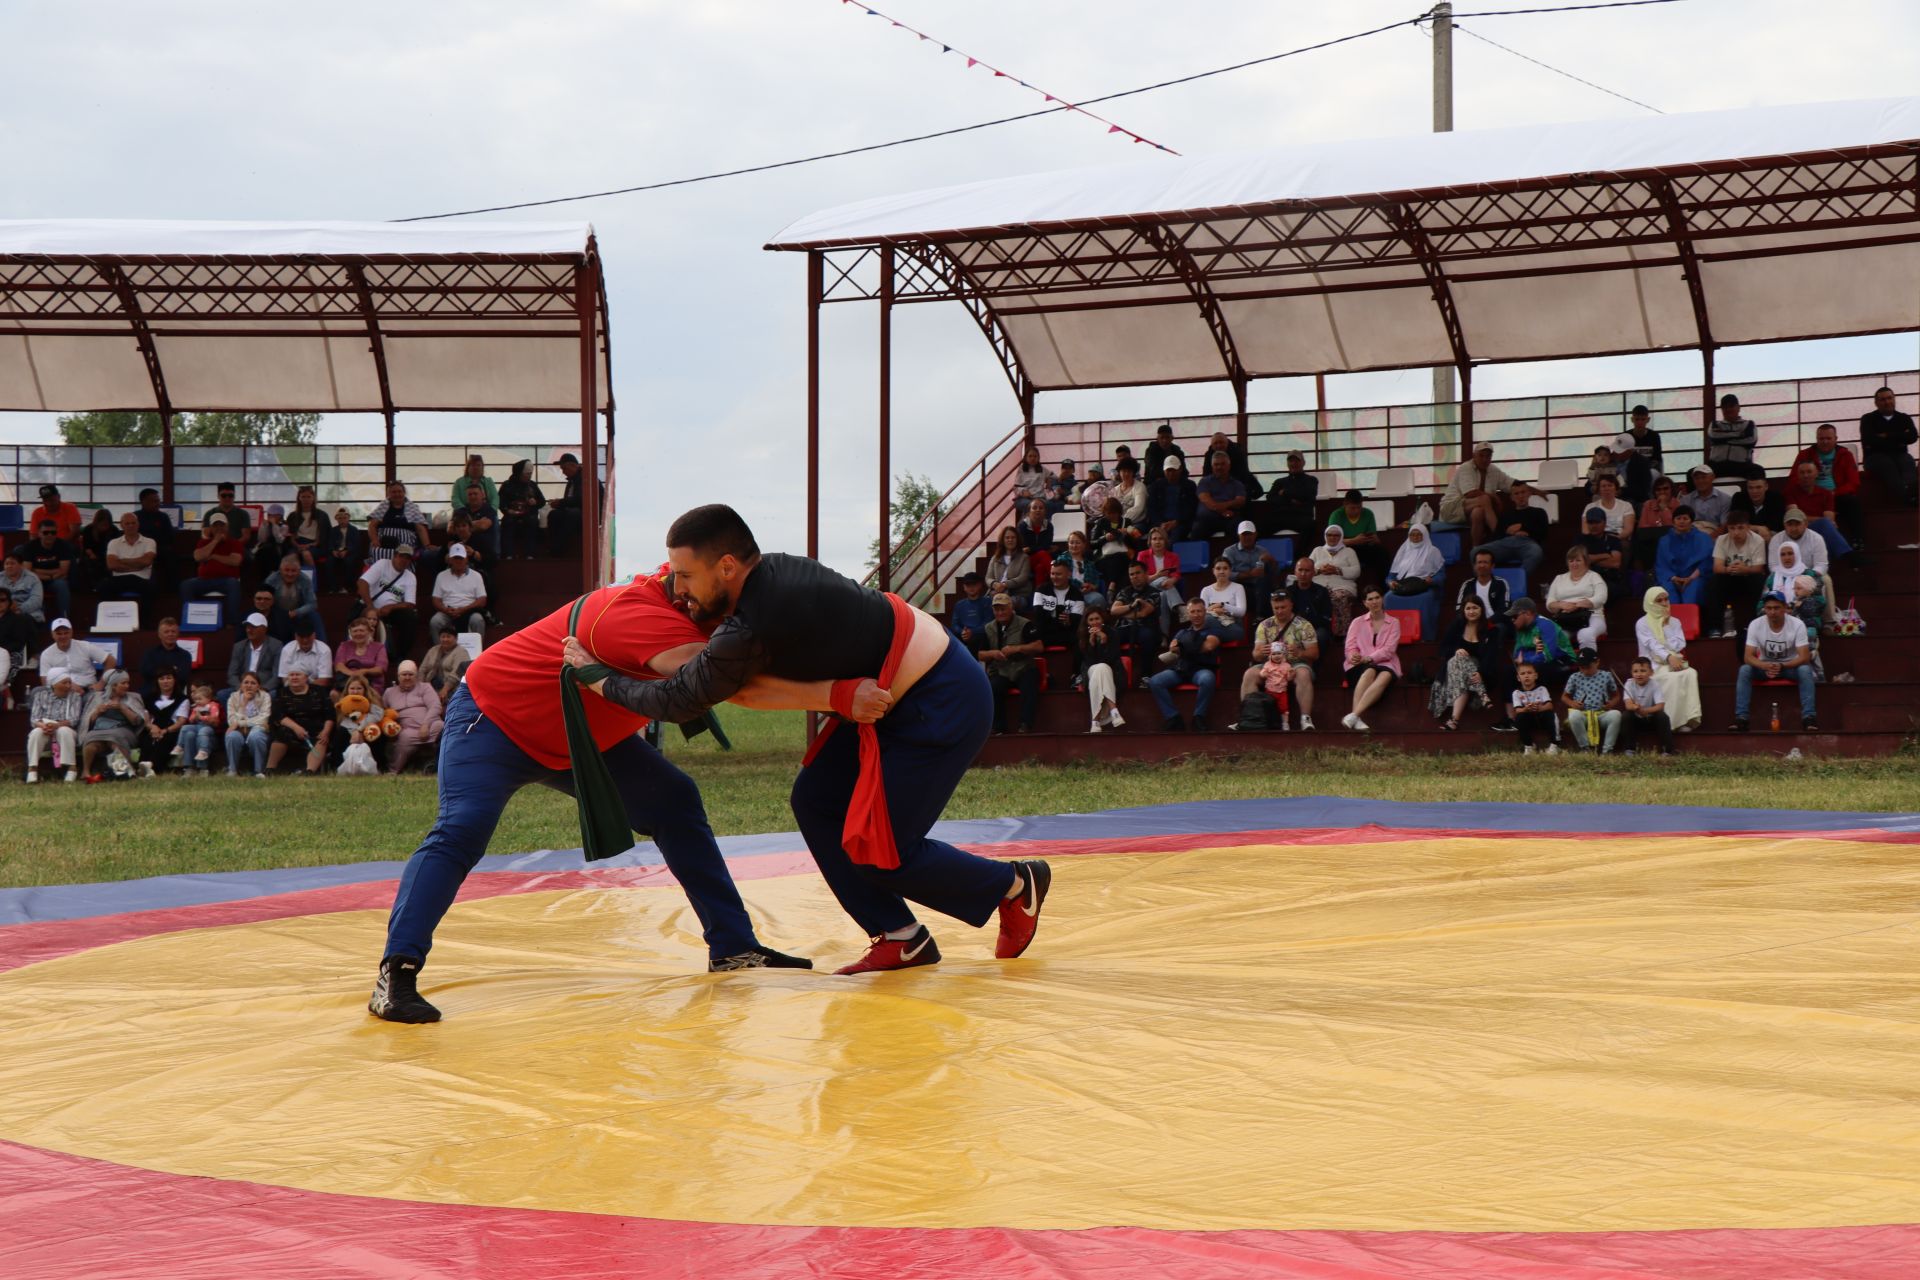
(1609, 1033)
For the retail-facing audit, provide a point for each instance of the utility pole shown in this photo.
(1442, 16)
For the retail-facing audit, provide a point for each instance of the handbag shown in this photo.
(1848, 622)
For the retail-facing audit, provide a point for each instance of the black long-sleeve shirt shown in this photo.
(796, 620)
(1886, 434)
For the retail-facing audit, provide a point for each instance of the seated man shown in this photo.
(971, 612)
(258, 654)
(1645, 710)
(1684, 560)
(1766, 510)
(1291, 498)
(1192, 658)
(1887, 437)
(1159, 449)
(1136, 614)
(1739, 575)
(53, 716)
(483, 518)
(86, 661)
(1708, 504)
(1064, 485)
(20, 582)
(293, 597)
(1838, 476)
(1058, 606)
(459, 597)
(158, 525)
(1311, 600)
(168, 655)
(312, 658)
(1606, 553)
(1777, 648)
(217, 558)
(388, 590)
(1236, 463)
(130, 560)
(1476, 496)
(1803, 493)
(51, 558)
(1731, 440)
(1492, 591)
(1173, 501)
(64, 516)
(1222, 496)
(1521, 533)
(301, 721)
(238, 521)
(1010, 653)
(1592, 697)
(1253, 567)
(1294, 640)
(1540, 641)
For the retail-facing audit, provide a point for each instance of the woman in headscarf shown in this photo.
(1337, 568)
(1414, 577)
(1664, 644)
(1797, 585)
(111, 725)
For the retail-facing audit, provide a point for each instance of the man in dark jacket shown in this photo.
(1172, 500)
(1887, 437)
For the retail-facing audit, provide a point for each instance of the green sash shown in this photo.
(604, 828)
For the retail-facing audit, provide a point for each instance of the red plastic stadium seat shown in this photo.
(1409, 620)
(1688, 616)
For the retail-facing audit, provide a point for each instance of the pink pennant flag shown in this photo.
(1114, 128)
(1000, 75)
(972, 62)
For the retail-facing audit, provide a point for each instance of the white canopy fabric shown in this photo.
(1534, 242)
(308, 317)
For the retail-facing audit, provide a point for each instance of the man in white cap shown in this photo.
(54, 715)
(259, 653)
(388, 590)
(1172, 500)
(459, 597)
(1253, 567)
(86, 661)
(1635, 473)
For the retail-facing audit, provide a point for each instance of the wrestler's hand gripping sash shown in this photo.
(868, 834)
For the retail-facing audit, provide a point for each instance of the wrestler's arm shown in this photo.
(763, 692)
(714, 673)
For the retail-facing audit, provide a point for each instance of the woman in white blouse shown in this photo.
(1337, 568)
(1226, 602)
(1664, 644)
(1577, 599)
(1620, 520)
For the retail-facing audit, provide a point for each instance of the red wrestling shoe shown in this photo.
(896, 953)
(1020, 914)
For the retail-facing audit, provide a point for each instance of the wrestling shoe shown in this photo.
(885, 953)
(1020, 914)
(396, 995)
(758, 957)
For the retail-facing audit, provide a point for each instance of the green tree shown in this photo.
(916, 510)
(199, 428)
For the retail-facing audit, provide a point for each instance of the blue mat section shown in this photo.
(69, 902)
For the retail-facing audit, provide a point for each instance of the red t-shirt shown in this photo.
(517, 681)
(211, 568)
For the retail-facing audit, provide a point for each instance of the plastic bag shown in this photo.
(1848, 622)
(1422, 514)
(358, 762)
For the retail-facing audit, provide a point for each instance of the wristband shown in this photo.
(842, 698)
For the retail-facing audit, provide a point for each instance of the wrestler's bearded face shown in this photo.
(706, 587)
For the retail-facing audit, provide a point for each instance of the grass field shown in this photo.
(59, 834)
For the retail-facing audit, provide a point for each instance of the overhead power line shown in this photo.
(1612, 93)
(1029, 115)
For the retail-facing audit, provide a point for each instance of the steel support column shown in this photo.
(886, 418)
(1240, 414)
(584, 313)
(116, 279)
(815, 273)
(1416, 240)
(1682, 234)
(378, 346)
(1211, 313)
(1466, 410)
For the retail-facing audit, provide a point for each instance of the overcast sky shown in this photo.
(362, 110)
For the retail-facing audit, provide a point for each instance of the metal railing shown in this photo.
(1356, 445)
(349, 475)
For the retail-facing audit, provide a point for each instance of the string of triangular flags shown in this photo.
(972, 62)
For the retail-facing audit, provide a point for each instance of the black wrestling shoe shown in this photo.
(396, 995)
(758, 957)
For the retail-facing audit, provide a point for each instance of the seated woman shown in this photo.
(1226, 600)
(1372, 657)
(1415, 577)
(111, 726)
(416, 707)
(1036, 531)
(1472, 651)
(1684, 559)
(1101, 668)
(1577, 600)
(1083, 572)
(1115, 543)
(360, 655)
(91, 571)
(1009, 570)
(1656, 517)
(1337, 568)
(249, 710)
(362, 717)
(1664, 644)
(166, 717)
(1163, 573)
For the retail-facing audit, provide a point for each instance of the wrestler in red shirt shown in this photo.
(504, 731)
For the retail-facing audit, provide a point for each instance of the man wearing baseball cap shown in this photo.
(1708, 504)
(1010, 650)
(459, 597)
(1172, 499)
(389, 591)
(1777, 647)
(84, 660)
(1254, 568)
(65, 516)
(217, 557)
(1592, 697)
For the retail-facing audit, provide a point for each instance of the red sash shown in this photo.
(868, 834)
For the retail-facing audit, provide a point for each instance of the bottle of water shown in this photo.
(1726, 620)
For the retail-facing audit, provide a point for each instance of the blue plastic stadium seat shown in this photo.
(1516, 580)
(1448, 544)
(1194, 555)
(1281, 549)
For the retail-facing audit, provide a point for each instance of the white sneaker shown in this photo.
(1362, 725)
(1306, 722)
(33, 775)
(1114, 719)
(73, 775)
(1553, 748)
(1526, 751)
(1095, 728)
(1283, 724)
(177, 754)
(1349, 719)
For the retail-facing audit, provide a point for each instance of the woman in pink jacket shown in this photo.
(1372, 657)
(418, 707)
